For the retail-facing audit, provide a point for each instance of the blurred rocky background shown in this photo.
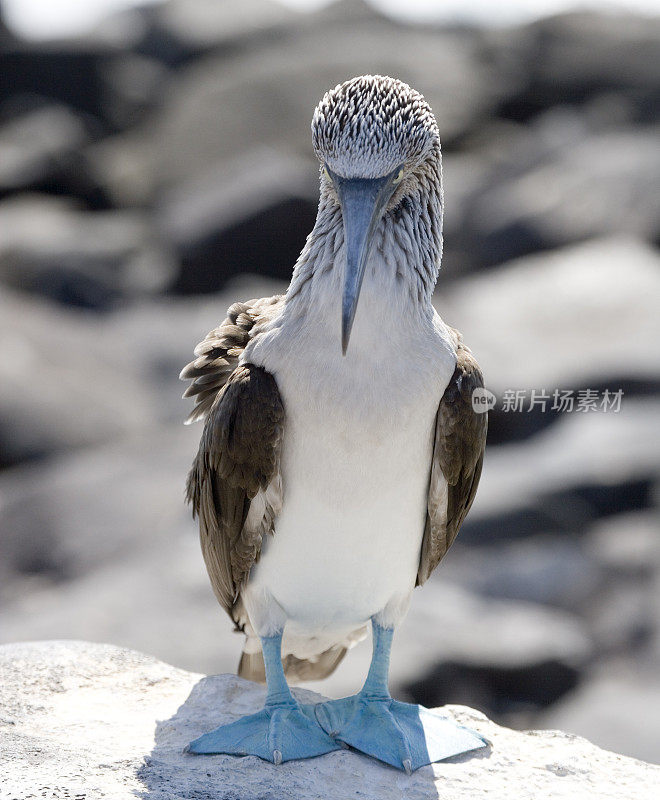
(159, 167)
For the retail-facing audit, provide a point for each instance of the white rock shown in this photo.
(627, 543)
(560, 319)
(92, 721)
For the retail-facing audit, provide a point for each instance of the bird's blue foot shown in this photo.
(401, 734)
(277, 733)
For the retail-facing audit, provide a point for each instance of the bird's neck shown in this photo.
(405, 255)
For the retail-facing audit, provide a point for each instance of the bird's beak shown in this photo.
(363, 202)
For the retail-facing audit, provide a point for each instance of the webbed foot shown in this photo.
(279, 732)
(401, 734)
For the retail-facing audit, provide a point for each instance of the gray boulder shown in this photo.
(50, 247)
(62, 385)
(618, 706)
(626, 550)
(178, 31)
(262, 95)
(199, 25)
(40, 146)
(221, 223)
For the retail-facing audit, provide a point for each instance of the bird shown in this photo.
(340, 451)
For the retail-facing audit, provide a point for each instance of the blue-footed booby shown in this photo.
(340, 451)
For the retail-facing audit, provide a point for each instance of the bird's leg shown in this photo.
(279, 732)
(376, 686)
(404, 735)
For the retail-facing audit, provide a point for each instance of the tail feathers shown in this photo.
(303, 669)
(251, 666)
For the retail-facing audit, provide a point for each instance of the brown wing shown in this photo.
(460, 438)
(234, 485)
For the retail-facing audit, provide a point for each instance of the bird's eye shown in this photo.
(399, 176)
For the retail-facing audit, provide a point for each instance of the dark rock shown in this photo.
(622, 617)
(61, 73)
(558, 182)
(564, 479)
(500, 691)
(251, 216)
(141, 502)
(623, 613)
(178, 31)
(199, 25)
(626, 544)
(572, 59)
(134, 87)
(69, 379)
(266, 243)
(501, 648)
(504, 426)
(101, 544)
(99, 79)
(561, 513)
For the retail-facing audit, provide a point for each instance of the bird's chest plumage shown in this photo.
(355, 465)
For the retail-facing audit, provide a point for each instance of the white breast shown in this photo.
(356, 457)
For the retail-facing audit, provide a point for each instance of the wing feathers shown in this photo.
(460, 439)
(238, 459)
(234, 485)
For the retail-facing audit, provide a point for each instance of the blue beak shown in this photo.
(363, 202)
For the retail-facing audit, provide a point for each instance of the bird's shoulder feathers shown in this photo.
(217, 356)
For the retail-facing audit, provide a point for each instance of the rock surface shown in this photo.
(89, 720)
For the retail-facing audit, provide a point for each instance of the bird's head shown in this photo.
(376, 139)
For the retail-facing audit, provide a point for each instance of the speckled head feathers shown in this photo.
(368, 126)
